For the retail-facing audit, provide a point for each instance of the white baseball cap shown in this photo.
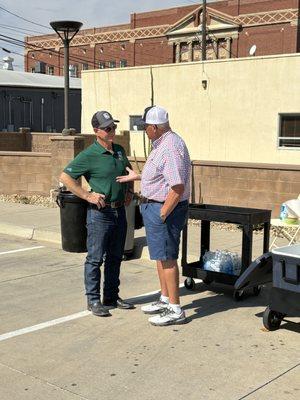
(154, 115)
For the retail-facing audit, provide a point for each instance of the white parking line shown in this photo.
(61, 320)
(57, 321)
(26, 249)
(43, 325)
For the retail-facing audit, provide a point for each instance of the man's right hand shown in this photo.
(132, 176)
(96, 198)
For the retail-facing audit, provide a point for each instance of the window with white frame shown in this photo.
(50, 70)
(73, 71)
(111, 64)
(289, 130)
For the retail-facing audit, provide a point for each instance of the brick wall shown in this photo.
(281, 39)
(248, 185)
(263, 186)
(37, 172)
(40, 142)
(224, 183)
(25, 173)
(12, 141)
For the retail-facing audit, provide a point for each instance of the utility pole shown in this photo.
(203, 28)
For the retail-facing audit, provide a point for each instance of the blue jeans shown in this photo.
(106, 234)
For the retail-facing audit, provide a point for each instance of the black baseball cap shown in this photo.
(102, 119)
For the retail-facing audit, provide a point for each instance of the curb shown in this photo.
(30, 233)
(20, 231)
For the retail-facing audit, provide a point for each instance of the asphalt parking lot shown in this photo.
(52, 348)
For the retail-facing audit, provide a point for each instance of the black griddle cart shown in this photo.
(207, 213)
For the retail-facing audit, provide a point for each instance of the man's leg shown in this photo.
(162, 279)
(114, 253)
(97, 237)
(113, 259)
(171, 279)
(160, 304)
(173, 314)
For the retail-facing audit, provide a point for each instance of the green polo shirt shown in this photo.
(100, 168)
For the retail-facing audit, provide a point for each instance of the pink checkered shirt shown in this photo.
(168, 165)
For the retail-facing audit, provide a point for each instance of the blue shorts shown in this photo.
(163, 238)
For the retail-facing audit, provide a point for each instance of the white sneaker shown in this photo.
(155, 308)
(168, 317)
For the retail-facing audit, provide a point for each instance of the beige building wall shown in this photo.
(235, 119)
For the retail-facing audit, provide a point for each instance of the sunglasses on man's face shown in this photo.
(108, 129)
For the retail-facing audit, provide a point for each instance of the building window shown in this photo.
(50, 70)
(211, 52)
(85, 66)
(101, 65)
(197, 51)
(184, 52)
(33, 70)
(73, 70)
(289, 130)
(222, 50)
(111, 64)
(123, 63)
(133, 123)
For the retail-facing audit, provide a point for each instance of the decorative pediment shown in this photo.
(192, 23)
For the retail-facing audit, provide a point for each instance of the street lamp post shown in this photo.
(66, 30)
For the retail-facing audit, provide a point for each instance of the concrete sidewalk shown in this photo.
(42, 223)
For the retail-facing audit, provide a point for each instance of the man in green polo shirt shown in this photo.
(100, 164)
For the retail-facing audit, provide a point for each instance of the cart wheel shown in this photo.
(207, 281)
(189, 283)
(256, 290)
(238, 295)
(272, 319)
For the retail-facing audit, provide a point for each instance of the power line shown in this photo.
(24, 19)
(37, 48)
(17, 29)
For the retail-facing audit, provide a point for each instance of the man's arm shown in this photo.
(75, 188)
(171, 201)
(129, 189)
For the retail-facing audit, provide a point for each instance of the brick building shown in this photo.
(174, 35)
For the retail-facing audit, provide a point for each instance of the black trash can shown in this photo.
(73, 211)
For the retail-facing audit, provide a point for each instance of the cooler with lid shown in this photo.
(285, 293)
(281, 267)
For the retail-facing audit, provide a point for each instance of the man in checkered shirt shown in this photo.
(165, 187)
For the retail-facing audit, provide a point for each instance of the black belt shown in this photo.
(112, 204)
(145, 200)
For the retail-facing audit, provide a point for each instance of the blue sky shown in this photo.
(93, 13)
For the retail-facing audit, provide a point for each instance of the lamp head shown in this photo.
(66, 30)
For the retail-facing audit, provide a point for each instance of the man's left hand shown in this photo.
(163, 217)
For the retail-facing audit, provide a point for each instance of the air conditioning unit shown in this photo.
(40, 67)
